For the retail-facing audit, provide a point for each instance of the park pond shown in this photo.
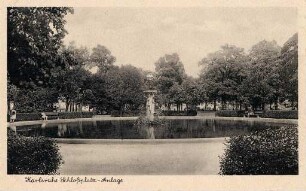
(185, 146)
(125, 129)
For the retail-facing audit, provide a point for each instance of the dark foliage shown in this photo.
(32, 155)
(28, 116)
(267, 152)
(277, 114)
(72, 115)
(117, 113)
(34, 37)
(180, 113)
(230, 113)
(281, 114)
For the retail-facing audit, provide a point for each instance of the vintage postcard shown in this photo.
(153, 95)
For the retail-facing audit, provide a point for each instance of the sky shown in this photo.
(140, 36)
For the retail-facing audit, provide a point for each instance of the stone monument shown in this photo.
(150, 94)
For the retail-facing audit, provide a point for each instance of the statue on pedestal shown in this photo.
(150, 93)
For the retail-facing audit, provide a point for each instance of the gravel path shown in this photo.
(194, 158)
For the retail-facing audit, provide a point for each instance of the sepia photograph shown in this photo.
(152, 91)
(156, 96)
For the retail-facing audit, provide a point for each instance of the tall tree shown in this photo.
(169, 70)
(70, 80)
(289, 69)
(223, 71)
(177, 96)
(102, 58)
(262, 84)
(193, 92)
(124, 88)
(34, 37)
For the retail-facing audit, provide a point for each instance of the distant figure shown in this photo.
(44, 116)
(13, 114)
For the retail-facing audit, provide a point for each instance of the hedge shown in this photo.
(266, 152)
(32, 155)
(28, 116)
(117, 113)
(278, 114)
(230, 113)
(281, 114)
(179, 113)
(62, 115)
(72, 115)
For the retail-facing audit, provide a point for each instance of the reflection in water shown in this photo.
(44, 124)
(61, 129)
(146, 132)
(150, 133)
(13, 128)
(124, 129)
(80, 125)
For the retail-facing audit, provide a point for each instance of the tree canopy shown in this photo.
(223, 72)
(42, 70)
(34, 38)
(169, 72)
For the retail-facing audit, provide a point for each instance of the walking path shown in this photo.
(151, 158)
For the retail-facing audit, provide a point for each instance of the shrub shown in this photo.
(117, 113)
(281, 114)
(266, 152)
(179, 113)
(28, 116)
(32, 155)
(72, 115)
(230, 113)
(278, 114)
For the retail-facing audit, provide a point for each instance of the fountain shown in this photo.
(150, 94)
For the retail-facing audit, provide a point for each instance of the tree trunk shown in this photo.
(67, 105)
(121, 110)
(215, 105)
(223, 104)
(275, 105)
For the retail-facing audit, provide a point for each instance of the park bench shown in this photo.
(49, 115)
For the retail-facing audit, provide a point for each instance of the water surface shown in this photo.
(124, 129)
